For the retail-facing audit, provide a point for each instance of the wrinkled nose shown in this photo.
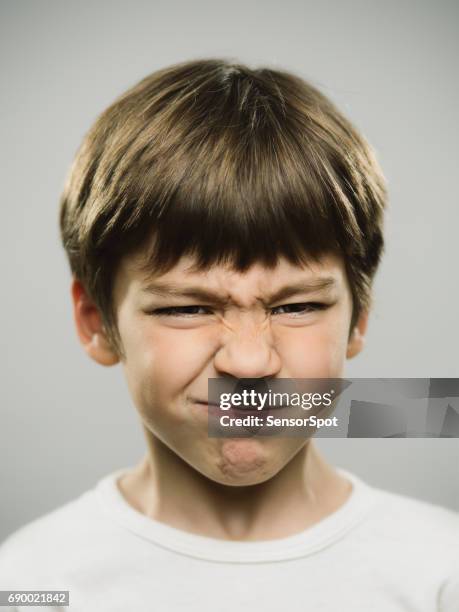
(247, 352)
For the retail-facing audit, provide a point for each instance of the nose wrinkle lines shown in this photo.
(250, 336)
(247, 346)
(249, 326)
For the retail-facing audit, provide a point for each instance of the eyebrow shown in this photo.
(168, 289)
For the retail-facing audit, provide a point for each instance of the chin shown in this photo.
(244, 462)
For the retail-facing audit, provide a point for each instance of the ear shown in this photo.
(89, 326)
(356, 340)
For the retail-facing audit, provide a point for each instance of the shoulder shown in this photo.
(414, 514)
(62, 521)
(41, 550)
(406, 516)
(416, 528)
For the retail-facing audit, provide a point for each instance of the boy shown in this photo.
(224, 222)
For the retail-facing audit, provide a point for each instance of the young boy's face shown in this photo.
(181, 328)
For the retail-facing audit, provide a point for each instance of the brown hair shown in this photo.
(226, 163)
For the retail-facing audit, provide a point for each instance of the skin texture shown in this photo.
(230, 488)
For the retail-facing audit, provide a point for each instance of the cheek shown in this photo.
(318, 351)
(161, 362)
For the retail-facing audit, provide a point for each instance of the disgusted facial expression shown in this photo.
(183, 327)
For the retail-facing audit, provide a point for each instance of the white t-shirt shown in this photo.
(379, 552)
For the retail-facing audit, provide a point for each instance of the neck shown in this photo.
(169, 490)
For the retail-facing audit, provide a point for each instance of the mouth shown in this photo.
(214, 408)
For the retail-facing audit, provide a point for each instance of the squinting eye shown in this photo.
(178, 311)
(196, 310)
(302, 308)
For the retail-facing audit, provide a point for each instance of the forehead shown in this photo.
(326, 274)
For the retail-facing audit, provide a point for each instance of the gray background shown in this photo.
(65, 421)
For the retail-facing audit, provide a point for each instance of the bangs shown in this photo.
(241, 210)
